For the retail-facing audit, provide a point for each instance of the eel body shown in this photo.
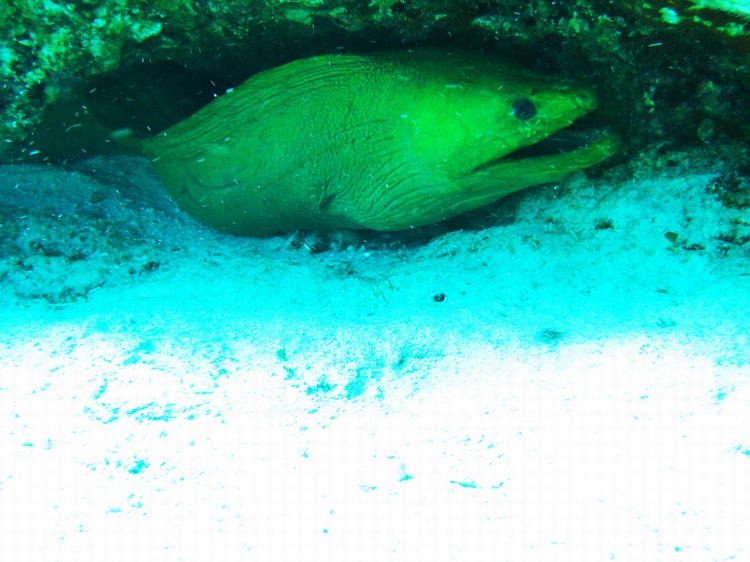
(384, 141)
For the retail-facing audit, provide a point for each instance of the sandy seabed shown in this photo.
(570, 383)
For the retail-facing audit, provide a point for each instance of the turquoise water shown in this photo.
(562, 376)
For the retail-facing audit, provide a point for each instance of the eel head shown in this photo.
(486, 128)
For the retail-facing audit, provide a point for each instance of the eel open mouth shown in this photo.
(561, 142)
(571, 148)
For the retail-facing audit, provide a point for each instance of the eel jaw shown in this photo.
(532, 165)
(564, 151)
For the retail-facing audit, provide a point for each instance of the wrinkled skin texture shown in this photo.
(385, 141)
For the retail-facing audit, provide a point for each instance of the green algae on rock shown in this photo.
(737, 7)
(385, 141)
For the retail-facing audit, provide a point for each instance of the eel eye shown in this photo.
(523, 109)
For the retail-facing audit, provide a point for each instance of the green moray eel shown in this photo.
(384, 141)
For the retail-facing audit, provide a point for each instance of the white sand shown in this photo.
(170, 393)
